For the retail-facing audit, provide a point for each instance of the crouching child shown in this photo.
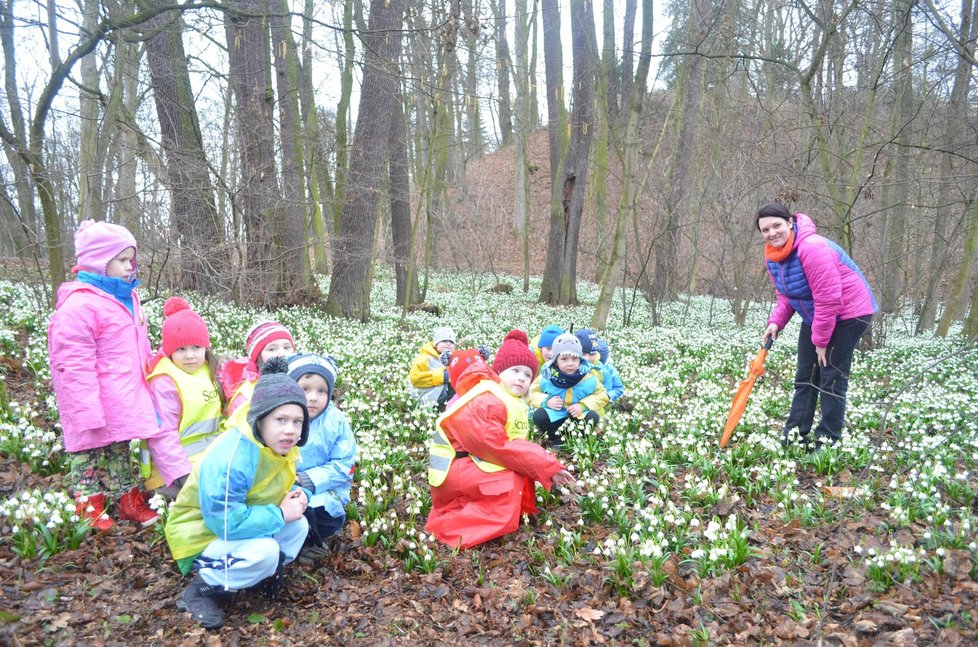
(326, 466)
(239, 518)
(482, 467)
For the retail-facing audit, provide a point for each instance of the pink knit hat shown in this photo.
(264, 333)
(182, 326)
(97, 243)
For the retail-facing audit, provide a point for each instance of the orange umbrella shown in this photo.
(743, 392)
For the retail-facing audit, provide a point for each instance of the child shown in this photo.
(264, 341)
(481, 466)
(568, 386)
(542, 345)
(458, 362)
(612, 379)
(429, 377)
(188, 399)
(327, 461)
(239, 519)
(98, 351)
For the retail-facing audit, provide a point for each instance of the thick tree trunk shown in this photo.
(315, 170)
(294, 265)
(249, 67)
(90, 182)
(523, 122)
(198, 228)
(349, 294)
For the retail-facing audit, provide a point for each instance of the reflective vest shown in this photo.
(199, 420)
(440, 450)
(201, 406)
(239, 417)
(185, 530)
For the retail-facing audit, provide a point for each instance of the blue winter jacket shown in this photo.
(327, 459)
(612, 380)
(590, 391)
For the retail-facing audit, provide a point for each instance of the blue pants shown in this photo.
(826, 383)
(322, 524)
(242, 563)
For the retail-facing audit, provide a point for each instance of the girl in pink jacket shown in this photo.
(98, 351)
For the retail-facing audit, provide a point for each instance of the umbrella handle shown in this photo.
(769, 343)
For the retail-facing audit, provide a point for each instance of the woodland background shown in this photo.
(252, 143)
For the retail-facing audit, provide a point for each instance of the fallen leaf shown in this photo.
(839, 492)
(587, 613)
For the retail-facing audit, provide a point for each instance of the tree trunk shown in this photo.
(400, 199)
(349, 294)
(560, 287)
(523, 122)
(294, 265)
(897, 188)
(315, 170)
(502, 74)
(249, 74)
(342, 128)
(628, 203)
(198, 227)
(473, 116)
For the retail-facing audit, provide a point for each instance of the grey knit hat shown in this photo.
(442, 333)
(566, 343)
(275, 388)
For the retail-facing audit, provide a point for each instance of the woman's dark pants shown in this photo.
(831, 381)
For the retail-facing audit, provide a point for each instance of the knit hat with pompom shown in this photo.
(275, 388)
(182, 326)
(515, 351)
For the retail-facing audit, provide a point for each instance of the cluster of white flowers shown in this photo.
(33, 508)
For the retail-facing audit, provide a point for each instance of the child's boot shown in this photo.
(133, 507)
(92, 508)
(200, 599)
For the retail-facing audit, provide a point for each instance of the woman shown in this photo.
(814, 277)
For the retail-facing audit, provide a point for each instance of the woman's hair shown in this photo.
(771, 210)
(215, 366)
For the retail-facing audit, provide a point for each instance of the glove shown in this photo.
(485, 351)
(445, 357)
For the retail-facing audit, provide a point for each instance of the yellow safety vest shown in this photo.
(199, 421)
(185, 530)
(440, 450)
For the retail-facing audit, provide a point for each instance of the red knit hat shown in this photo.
(264, 333)
(182, 326)
(515, 351)
(461, 360)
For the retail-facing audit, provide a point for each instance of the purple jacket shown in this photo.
(820, 282)
(98, 354)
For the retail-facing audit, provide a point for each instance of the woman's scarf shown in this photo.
(779, 254)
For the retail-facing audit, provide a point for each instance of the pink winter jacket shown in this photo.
(99, 354)
(820, 282)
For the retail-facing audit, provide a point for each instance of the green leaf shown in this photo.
(125, 618)
(256, 618)
(7, 617)
(278, 625)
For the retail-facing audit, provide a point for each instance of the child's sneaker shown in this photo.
(133, 507)
(92, 508)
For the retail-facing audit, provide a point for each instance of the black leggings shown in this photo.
(544, 424)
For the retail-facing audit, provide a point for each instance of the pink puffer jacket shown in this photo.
(99, 354)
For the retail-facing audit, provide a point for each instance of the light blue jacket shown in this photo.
(590, 391)
(612, 380)
(327, 460)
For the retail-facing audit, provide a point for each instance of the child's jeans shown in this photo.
(322, 525)
(242, 563)
(110, 469)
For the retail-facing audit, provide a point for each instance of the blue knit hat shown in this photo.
(321, 365)
(548, 335)
(588, 339)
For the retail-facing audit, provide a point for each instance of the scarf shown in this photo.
(121, 289)
(563, 380)
(779, 254)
